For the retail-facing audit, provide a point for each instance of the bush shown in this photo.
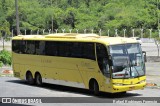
(5, 58)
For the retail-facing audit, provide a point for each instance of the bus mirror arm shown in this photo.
(145, 57)
(110, 60)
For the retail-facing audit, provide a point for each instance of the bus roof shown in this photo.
(77, 38)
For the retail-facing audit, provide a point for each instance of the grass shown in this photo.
(6, 75)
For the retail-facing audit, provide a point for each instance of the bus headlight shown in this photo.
(142, 81)
(118, 84)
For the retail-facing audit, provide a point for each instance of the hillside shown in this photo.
(81, 14)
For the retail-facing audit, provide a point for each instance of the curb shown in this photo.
(6, 73)
(153, 85)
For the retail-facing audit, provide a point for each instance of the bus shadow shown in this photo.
(78, 90)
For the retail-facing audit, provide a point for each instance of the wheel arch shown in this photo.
(91, 81)
(27, 72)
(37, 72)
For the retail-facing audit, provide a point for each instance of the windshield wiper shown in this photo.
(127, 69)
(135, 69)
(130, 62)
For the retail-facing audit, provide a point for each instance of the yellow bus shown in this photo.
(89, 61)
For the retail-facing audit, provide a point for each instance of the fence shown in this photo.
(148, 44)
(7, 45)
(142, 33)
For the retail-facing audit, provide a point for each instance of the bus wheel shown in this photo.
(29, 78)
(94, 87)
(38, 79)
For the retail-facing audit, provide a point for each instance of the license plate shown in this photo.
(131, 88)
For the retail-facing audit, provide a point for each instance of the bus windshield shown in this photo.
(127, 61)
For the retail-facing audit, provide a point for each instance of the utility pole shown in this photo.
(158, 13)
(17, 17)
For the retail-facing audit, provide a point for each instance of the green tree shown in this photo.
(82, 14)
(5, 58)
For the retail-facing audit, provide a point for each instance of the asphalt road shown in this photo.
(153, 72)
(13, 87)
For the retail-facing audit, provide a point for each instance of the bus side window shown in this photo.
(88, 51)
(15, 46)
(40, 47)
(102, 58)
(30, 48)
(51, 48)
(64, 49)
(76, 50)
(18, 46)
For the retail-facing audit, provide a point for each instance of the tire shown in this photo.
(38, 79)
(29, 78)
(94, 88)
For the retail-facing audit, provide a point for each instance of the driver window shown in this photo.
(102, 58)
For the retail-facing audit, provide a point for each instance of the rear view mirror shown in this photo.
(144, 55)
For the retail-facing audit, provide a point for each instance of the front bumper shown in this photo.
(123, 88)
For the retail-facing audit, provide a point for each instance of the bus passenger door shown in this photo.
(103, 64)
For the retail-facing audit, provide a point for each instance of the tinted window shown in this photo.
(15, 46)
(30, 47)
(101, 54)
(58, 49)
(101, 51)
(40, 47)
(18, 46)
(103, 61)
(88, 51)
(76, 50)
(64, 49)
(51, 48)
